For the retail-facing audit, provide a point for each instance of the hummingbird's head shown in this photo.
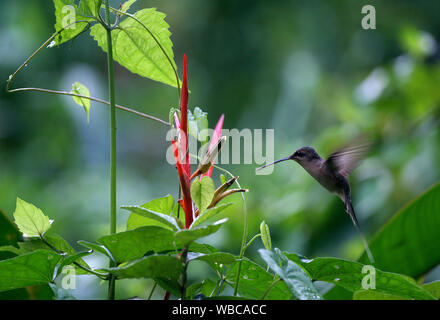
(305, 155)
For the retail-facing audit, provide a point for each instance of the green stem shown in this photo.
(111, 87)
(152, 290)
(252, 240)
(270, 288)
(184, 260)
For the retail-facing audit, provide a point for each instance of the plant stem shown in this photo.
(270, 288)
(185, 265)
(252, 240)
(152, 290)
(111, 87)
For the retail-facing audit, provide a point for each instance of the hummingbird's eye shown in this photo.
(300, 154)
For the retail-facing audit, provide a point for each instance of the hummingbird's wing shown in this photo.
(346, 159)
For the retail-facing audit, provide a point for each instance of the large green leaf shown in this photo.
(374, 295)
(154, 266)
(66, 13)
(255, 281)
(89, 8)
(215, 257)
(30, 220)
(433, 288)
(57, 242)
(292, 274)
(351, 274)
(209, 214)
(29, 269)
(134, 244)
(207, 288)
(202, 192)
(187, 236)
(162, 205)
(135, 49)
(72, 258)
(161, 219)
(408, 243)
(9, 235)
(97, 248)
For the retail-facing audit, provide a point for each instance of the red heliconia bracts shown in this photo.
(184, 118)
(185, 184)
(215, 137)
(180, 152)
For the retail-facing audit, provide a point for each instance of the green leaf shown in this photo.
(76, 257)
(255, 281)
(154, 266)
(433, 288)
(187, 236)
(265, 235)
(30, 220)
(408, 243)
(37, 292)
(81, 89)
(161, 219)
(223, 179)
(97, 248)
(198, 124)
(66, 13)
(134, 244)
(350, 275)
(215, 257)
(374, 295)
(9, 237)
(89, 8)
(209, 214)
(57, 242)
(292, 274)
(29, 269)
(135, 49)
(202, 192)
(162, 205)
(126, 5)
(170, 285)
(201, 247)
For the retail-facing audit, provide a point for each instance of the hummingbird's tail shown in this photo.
(350, 210)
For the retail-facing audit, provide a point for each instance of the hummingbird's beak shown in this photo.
(283, 159)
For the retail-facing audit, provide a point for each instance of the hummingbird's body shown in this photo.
(332, 173)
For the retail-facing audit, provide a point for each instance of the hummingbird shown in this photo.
(332, 173)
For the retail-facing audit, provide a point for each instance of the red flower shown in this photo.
(184, 118)
(184, 169)
(215, 137)
(185, 184)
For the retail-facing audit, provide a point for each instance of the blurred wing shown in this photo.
(346, 159)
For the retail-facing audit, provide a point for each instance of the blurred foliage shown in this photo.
(307, 69)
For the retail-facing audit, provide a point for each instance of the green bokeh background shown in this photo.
(305, 68)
